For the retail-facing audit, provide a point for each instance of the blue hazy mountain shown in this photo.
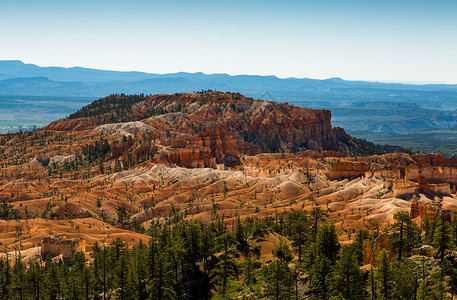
(401, 113)
(17, 78)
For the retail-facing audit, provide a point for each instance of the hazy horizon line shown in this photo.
(386, 81)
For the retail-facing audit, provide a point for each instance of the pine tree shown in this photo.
(383, 275)
(321, 277)
(240, 233)
(52, 282)
(442, 239)
(327, 243)
(404, 235)
(323, 253)
(249, 271)
(357, 244)
(5, 277)
(225, 267)
(317, 215)
(404, 279)
(348, 280)
(454, 227)
(278, 275)
(122, 271)
(35, 281)
(298, 230)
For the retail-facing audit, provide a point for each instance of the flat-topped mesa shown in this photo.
(270, 125)
(244, 122)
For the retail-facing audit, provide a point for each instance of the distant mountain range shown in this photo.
(423, 117)
(17, 78)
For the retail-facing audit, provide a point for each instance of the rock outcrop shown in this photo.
(192, 157)
(406, 188)
(125, 129)
(426, 208)
(371, 251)
(347, 170)
(270, 125)
(434, 159)
(61, 159)
(58, 244)
(222, 146)
(424, 250)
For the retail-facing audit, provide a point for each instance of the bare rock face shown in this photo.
(198, 157)
(223, 147)
(35, 164)
(271, 126)
(249, 148)
(371, 252)
(71, 210)
(43, 159)
(125, 129)
(347, 170)
(60, 159)
(367, 252)
(429, 209)
(433, 159)
(71, 125)
(58, 244)
(424, 250)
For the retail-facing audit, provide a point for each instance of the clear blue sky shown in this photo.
(400, 40)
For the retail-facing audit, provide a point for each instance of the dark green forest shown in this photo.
(187, 260)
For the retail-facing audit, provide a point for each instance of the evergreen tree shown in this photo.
(384, 277)
(404, 279)
(323, 253)
(357, 244)
(18, 282)
(52, 282)
(327, 243)
(225, 267)
(5, 277)
(348, 281)
(278, 275)
(404, 235)
(321, 277)
(454, 227)
(442, 239)
(249, 270)
(299, 231)
(35, 281)
(317, 215)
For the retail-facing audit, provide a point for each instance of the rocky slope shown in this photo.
(116, 167)
(269, 125)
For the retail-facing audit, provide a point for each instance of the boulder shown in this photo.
(424, 250)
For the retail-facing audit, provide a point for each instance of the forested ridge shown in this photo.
(187, 260)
